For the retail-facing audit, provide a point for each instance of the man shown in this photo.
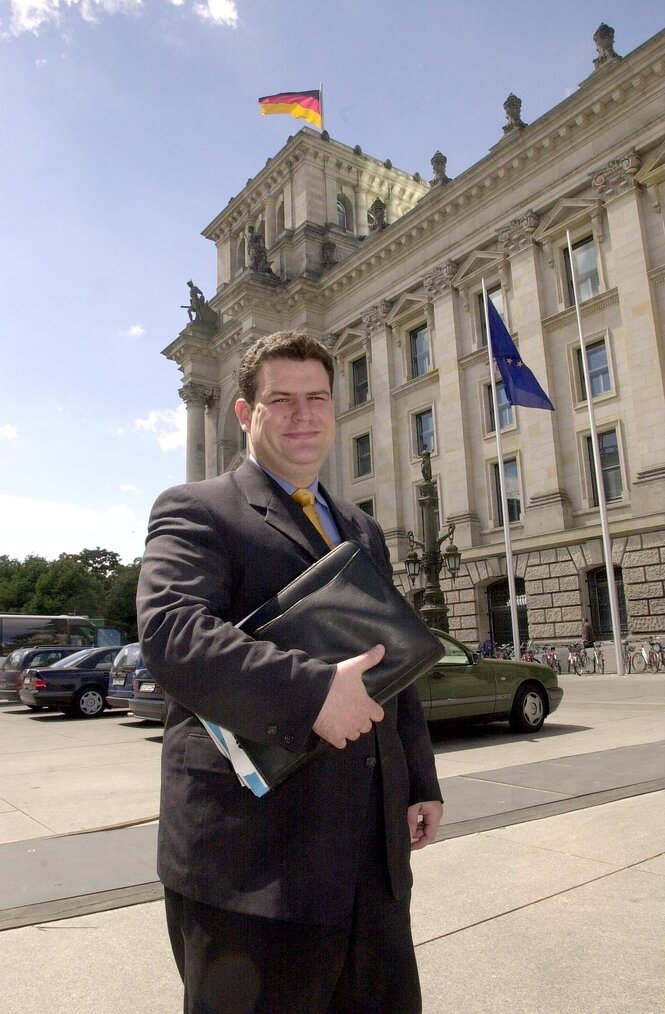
(587, 633)
(297, 901)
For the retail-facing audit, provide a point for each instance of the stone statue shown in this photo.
(513, 109)
(426, 467)
(328, 253)
(378, 213)
(199, 310)
(257, 253)
(439, 163)
(604, 39)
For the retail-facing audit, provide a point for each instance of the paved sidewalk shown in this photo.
(544, 893)
(555, 915)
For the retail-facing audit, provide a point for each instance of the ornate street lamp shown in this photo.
(433, 609)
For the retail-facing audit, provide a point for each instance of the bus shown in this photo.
(20, 631)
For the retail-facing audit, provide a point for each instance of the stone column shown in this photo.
(195, 396)
(270, 221)
(638, 351)
(210, 428)
(547, 507)
(455, 468)
(362, 226)
(385, 445)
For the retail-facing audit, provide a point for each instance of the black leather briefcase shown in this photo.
(339, 607)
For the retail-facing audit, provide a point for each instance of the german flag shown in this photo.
(304, 105)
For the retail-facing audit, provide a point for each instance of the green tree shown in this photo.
(67, 587)
(101, 563)
(18, 592)
(121, 600)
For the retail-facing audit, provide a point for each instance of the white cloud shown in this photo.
(8, 432)
(128, 487)
(31, 15)
(133, 331)
(222, 12)
(70, 528)
(169, 426)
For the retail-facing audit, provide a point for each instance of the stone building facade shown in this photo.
(387, 269)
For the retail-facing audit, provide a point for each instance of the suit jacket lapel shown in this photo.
(278, 510)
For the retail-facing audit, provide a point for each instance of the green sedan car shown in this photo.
(462, 684)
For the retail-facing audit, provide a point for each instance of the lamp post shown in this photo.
(433, 610)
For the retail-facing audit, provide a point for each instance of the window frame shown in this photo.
(416, 416)
(589, 470)
(367, 501)
(567, 276)
(490, 424)
(357, 474)
(591, 343)
(495, 498)
(414, 358)
(354, 386)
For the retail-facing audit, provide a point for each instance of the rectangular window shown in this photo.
(586, 270)
(424, 431)
(419, 347)
(363, 455)
(496, 295)
(512, 491)
(359, 381)
(599, 372)
(367, 506)
(503, 405)
(610, 467)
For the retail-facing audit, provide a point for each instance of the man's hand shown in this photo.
(424, 819)
(348, 710)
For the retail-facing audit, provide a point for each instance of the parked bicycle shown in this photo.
(550, 658)
(504, 651)
(647, 657)
(529, 652)
(598, 658)
(578, 660)
(628, 653)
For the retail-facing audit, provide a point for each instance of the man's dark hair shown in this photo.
(280, 345)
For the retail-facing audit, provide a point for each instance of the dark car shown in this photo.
(148, 701)
(77, 685)
(119, 693)
(464, 685)
(14, 666)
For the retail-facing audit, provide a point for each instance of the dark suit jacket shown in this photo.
(215, 551)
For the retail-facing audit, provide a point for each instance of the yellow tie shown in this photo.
(305, 498)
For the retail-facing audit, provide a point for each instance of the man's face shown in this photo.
(291, 426)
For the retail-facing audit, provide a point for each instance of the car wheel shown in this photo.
(528, 711)
(88, 703)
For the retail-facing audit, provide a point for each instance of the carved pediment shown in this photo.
(350, 337)
(408, 305)
(653, 168)
(478, 264)
(566, 214)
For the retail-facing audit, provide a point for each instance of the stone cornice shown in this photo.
(591, 306)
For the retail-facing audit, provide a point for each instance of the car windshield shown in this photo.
(14, 659)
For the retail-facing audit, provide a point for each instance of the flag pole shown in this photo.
(321, 103)
(598, 475)
(502, 491)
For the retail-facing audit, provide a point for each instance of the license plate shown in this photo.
(26, 681)
(118, 681)
(147, 688)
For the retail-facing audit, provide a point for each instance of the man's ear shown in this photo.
(243, 413)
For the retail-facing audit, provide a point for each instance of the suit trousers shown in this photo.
(232, 963)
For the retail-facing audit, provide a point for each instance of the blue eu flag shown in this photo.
(519, 383)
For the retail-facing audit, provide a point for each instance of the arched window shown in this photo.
(498, 608)
(344, 213)
(599, 602)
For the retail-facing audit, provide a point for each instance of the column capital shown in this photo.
(618, 176)
(439, 280)
(193, 392)
(375, 318)
(518, 234)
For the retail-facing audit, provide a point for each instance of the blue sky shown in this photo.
(126, 128)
